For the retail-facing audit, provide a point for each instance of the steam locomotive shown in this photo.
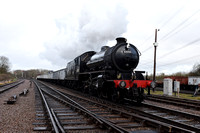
(109, 73)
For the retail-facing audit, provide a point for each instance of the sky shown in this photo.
(47, 34)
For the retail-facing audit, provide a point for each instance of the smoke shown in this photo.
(87, 30)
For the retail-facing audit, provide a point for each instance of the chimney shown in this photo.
(121, 40)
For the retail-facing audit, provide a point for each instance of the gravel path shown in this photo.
(18, 117)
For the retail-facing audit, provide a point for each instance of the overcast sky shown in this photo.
(46, 34)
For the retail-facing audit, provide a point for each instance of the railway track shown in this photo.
(190, 122)
(9, 86)
(177, 118)
(72, 117)
(186, 103)
(125, 118)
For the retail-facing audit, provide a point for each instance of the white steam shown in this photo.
(88, 30)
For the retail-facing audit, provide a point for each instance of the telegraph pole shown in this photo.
(155, 45)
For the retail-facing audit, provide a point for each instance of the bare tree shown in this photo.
(196, 70)
(33, 73)
(4, 64)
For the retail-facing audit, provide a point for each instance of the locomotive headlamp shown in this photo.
(122, 84)
(119, 76)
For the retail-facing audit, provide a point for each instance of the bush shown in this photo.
(4, 77)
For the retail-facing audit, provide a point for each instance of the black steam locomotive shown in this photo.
(108, 73)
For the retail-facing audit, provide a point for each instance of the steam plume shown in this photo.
(88, 30)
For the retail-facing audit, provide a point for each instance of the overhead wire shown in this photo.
(175, 50)
(178, 61)
(147, 49)
(182, 47)
(174, 31)
(179, 25)
(181, 29)
(171, 63)
(170, 18)
(148, 38)
(163, 25)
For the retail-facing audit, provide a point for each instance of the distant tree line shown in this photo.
(194, 72)
(5, 73)
(33, 73)
(29, 74)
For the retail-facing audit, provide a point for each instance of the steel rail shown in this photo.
(177, 103)
(80, 107)
(119, 129)
(57, 122)
(182, 101)
(150, 121)
(168, 121)
(141, 117)
(7, 87)
(184, 114)
(48, 109)
(9, 83)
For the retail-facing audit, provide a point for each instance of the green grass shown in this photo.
(181, 95)
(8, 81)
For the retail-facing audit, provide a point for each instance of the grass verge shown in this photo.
(181, 95)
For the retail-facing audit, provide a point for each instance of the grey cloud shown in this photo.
(89, 31)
